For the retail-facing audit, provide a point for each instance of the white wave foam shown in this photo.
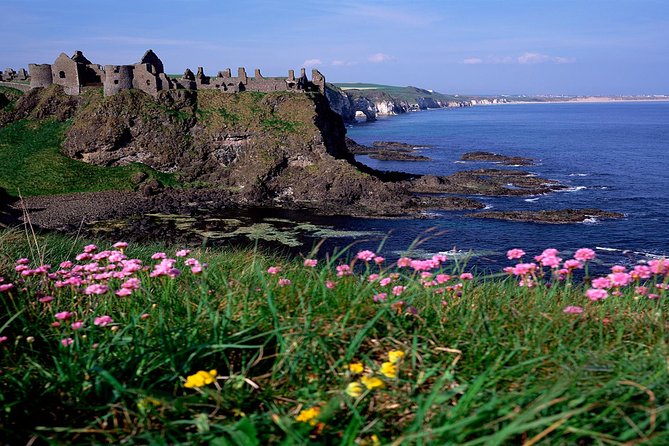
(531, 200)
(460, 162)
(590, 221)
(579, 174)
(604, 248)
(572, 189)
(487, 206)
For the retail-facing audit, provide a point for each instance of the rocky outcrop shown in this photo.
(561, 216)
(497, 158)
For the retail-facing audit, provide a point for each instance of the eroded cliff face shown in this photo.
(274, 148)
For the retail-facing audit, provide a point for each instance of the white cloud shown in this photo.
(312, 63)
(380, 57)
(342, 63)
(526, 58)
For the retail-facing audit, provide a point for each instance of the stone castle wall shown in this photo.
(77, 72)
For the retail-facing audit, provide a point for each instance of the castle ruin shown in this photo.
(77, 72)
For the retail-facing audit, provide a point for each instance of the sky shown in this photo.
(534, 47)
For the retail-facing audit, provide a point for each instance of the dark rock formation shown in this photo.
(561, 216)
(386, 151)
(493, 182)
(497, 158)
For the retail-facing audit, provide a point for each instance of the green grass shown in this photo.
(31, 163)
(492, 364)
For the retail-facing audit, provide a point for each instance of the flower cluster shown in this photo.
(201, 379)
(370, 382)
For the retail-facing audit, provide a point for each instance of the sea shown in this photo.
(612, 156)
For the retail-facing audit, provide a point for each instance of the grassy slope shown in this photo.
(401, 93)
(31, 162)
(499, 364)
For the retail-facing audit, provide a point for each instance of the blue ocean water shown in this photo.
(613, 156)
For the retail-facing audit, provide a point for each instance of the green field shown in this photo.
(259, 350)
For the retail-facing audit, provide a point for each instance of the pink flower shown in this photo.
(103, 321)
(55, 324)
(273, 269)
(182, 253)
(601, 283)
(46, 299)
(515, 253)
(197, 269)
(3, 339)
(120, 245)
(66, 264)
(660, 266)
(96, 289)
(66, 342)
(379, 260)
(22, 261)
(385, 281)
(344, 270)
(573, 310)
(132, 283)
(77, 325)
(584, 254)
(284, 282)
(618, 269)
(466, 276)
(619, 279)
(398, 290)
(403, 262)
(440, 258)
(596, 294)
(158, 256)
(90, 248)
(642, 290)
(366, 255)
(6, 287)
(573, 264)
(310, 263)
(83, 256)
(373, 277)
(330, 284)
(124, 292)
(551, 261)
(641, 272)
(144, 316)
(524, 268)
(63, 315)
(443, 278)
(381, 297)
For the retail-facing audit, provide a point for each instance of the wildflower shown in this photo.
(466, 276)
(601, 283)
(385, 281)
(584, 254)
(201, 378)
(103, 321)
(355, 367)
(182, 253)
(373, 277)
(344, 270)
(3, 339)
(381, 297)
(524, 268)
(77, 325)
(284, 282)
(22, 261)
(439, 258)
(596, 294)
(273, 269)
(403, 262)
(309, 415)
(63, 315)
(158, 256)
(395, 356)
(660, 266)
(330, 284)
(618, 269)
(573, 264)
(619, 279)
(398, 290)
(310, 263)
(66, 342)
(379, 260)
(641, 272)
(123, 292)
(120, 245)
(354, 389)
(90, 248)
(96, 289)
(144, 316)
(30, 339)
(46, 299)
(371, 382)
(573, 310)
(6, 287)
(389, 370)
(366, 255)
(515, 254)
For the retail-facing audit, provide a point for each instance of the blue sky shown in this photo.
(454, 46)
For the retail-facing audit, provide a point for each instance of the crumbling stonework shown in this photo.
(76, 72)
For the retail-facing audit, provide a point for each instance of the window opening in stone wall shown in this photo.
(116, 81)
(61, 75)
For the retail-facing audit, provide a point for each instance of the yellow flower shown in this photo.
(356, 367)
(394, 356)
(201, 379)
(371, 382)
(354, 389)
(389, 370)
(309, 415)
